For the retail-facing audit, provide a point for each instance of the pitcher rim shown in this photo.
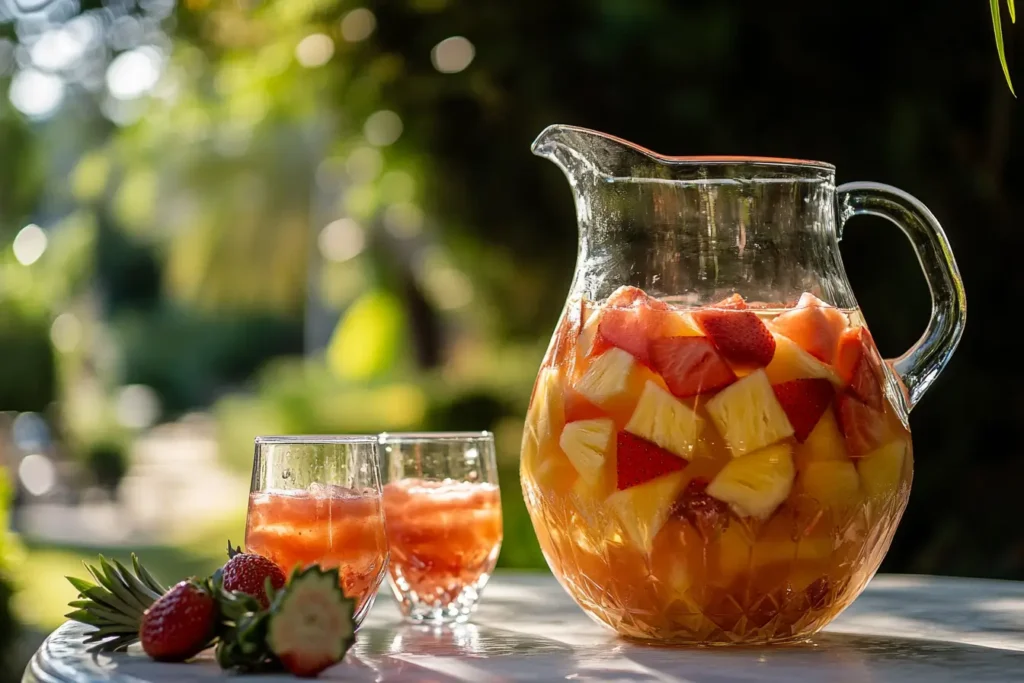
(701, 160)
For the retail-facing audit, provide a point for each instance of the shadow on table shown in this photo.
(478, 653)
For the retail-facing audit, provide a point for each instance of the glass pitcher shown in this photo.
(715, 452)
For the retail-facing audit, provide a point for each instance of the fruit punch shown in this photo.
(731, 473)
(329, 526)
(444, 536)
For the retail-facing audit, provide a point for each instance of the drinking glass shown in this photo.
(443, 513)
(317, 500)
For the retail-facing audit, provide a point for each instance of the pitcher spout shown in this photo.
(582, 151)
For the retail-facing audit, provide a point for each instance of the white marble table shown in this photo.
(904, 628)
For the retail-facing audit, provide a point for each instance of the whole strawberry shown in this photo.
(248, 573)
(180, 624)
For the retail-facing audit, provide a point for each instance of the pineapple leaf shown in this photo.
(80, 585)
(108, 616)
(146, 577)
(997, 27)
(84, 617)
(117, 584)
(104, 599)
(136, 586)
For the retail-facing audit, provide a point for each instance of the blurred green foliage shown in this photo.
(192, 255)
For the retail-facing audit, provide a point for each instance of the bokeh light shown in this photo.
(341, 240)
(137, 406)
(30, 432)
(404, 220)
(132, 74)
(37, 474)
(364, 164)
(382, 128)
(66, 332)
(29, 245)
(36, 94)
(358, 25)
(452, 55)
(314, 50)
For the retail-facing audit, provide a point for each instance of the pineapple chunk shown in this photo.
(881, 470)
(554, 472)
(660, 418)
(748, 415)
(607, 376)
(677, 324)
(755, 484)
(825, 442)
(644, 509)
(547, 413)
(585, 342)
(833, 483)
(586, 443)
(792, 362)
(541, 456)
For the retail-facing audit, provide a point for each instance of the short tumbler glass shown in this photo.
(318, 500)
(443, 513)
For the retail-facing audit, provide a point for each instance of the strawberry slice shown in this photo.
(739, 335)
(805, 401)
(813, 325)
(858, 365)
(690, 365)
(628, 322)
(638, 461)
(734, 302)
(863, 427)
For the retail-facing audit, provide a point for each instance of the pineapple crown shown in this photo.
(115, 603)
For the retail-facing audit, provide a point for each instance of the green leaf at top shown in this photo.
(1013, 11)
(998, 28)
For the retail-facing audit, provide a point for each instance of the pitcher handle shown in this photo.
(923, 362)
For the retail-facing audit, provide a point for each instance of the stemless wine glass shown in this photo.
(443, 515)
(317, 500)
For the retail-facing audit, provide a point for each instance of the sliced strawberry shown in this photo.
(627, 296)
(690, 365)
(638, 461)
(624, 328)
(863, 427)
(734, 302)
(858, 365)
(629, 320)
(739, 335)
(805, 401)
(814, 326)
